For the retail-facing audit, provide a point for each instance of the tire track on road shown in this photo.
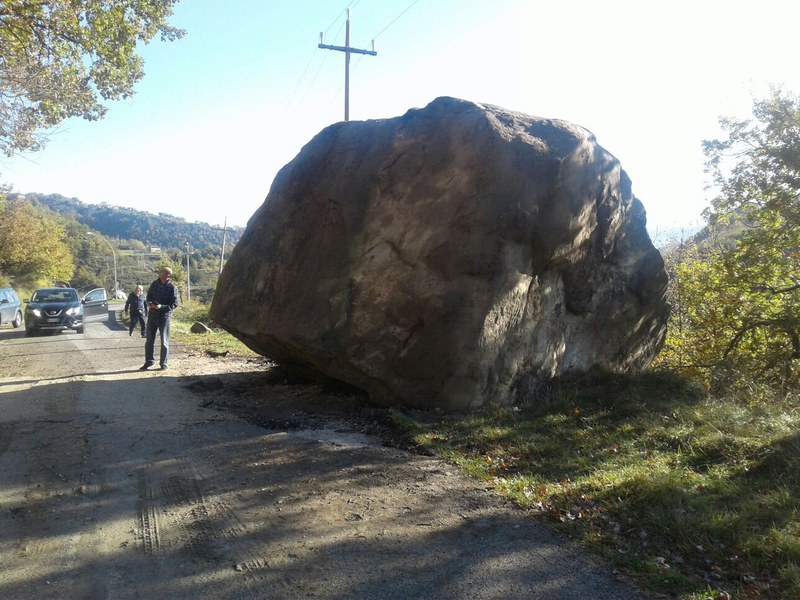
(175, 515)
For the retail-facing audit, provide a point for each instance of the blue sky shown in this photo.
(222, 110)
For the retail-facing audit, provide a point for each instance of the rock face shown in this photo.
(454, 257)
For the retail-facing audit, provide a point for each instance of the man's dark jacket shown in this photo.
(136, 304)
(165, 294)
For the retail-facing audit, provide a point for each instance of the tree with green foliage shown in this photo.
(63, 58)
(740, 306)
(32, 246)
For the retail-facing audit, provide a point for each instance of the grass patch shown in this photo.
(697, 495)
(217, 340)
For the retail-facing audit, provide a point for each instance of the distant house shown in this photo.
(155, 250)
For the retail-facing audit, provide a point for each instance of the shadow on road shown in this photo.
(124, 486)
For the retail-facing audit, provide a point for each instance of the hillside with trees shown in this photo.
(162, 230)
(51, 239)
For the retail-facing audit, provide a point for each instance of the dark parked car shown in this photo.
(10, 307)
(54, 309)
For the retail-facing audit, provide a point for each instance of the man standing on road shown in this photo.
(162, 299)
(136, 305)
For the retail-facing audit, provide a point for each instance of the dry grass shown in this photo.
(699, 496)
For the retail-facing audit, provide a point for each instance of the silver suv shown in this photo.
(10, 307)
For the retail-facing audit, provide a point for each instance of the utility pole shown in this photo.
(224, 234)
(188, 277)
(347, 52)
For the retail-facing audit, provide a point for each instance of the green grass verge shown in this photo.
(217, 340)
(698, 496)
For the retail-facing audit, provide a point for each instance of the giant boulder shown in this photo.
(454, 257)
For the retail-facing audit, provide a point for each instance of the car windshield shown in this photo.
(65, 295)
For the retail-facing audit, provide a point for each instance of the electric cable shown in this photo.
(395, 19)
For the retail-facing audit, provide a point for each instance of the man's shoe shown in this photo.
(163, 367)
(130, 333)
(145, 366)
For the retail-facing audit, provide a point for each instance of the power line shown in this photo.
(339, 16)
(341, 25)
(314, 78)
(300, 81)
(334, 97)
(316, 75)
(341, 87)
(395, 19)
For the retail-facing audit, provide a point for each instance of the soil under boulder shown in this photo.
(454, 257)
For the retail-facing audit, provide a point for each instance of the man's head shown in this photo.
(165, 274)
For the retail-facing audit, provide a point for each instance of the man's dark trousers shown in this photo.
(156, 323)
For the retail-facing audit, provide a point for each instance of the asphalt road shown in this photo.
(117, 483)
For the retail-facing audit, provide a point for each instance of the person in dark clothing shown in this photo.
(135, 304)
(162, 299)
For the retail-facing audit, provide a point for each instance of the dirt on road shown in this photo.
(219, 479)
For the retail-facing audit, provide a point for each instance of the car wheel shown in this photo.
(17, 319)
(80, 329)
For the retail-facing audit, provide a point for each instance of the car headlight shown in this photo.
(75, 310)
(35, 311)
